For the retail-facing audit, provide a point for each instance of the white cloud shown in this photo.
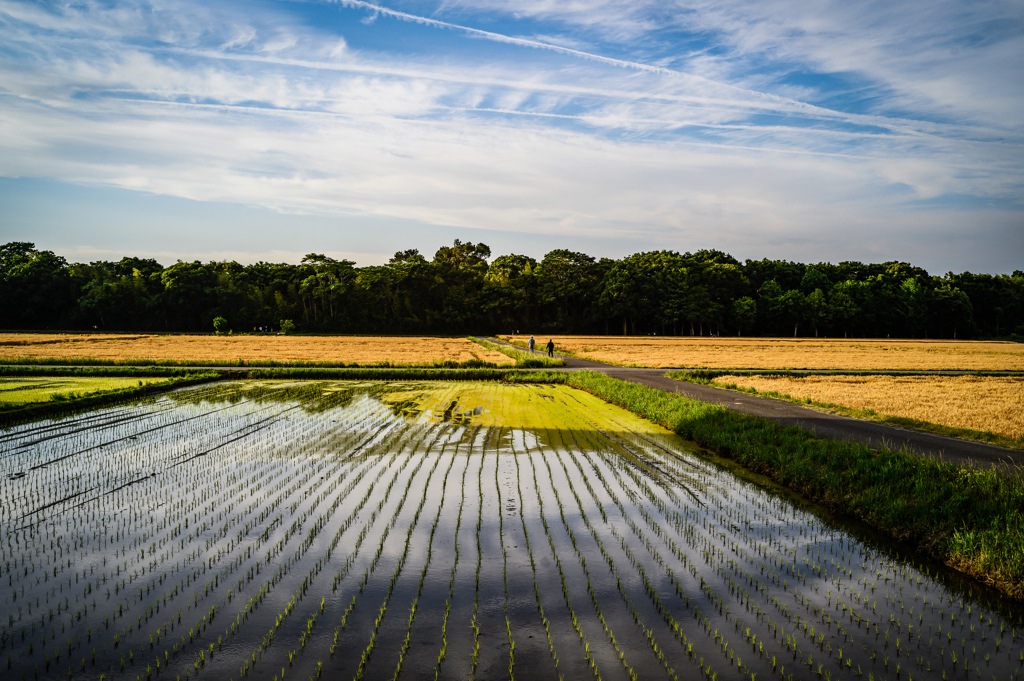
(942, 57)
(274, 112)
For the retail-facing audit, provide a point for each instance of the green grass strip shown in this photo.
(524, 358)
(128, 371)
(406, 374)
(93, 361)
(707, 377)
(972, 520)
(301, 373)
(65, 406)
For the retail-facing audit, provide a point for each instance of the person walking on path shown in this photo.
(532, 343)
(551, 347)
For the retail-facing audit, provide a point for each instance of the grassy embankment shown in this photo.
(971, 520)
(86, 388)
(565, 351)
(916, 402)
(524, 358)
(240, 363)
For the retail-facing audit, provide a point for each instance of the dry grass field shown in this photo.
(993, 404)
(793, 353)
(363, 350)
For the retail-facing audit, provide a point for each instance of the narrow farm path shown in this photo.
(821, 423)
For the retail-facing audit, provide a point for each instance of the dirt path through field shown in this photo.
(821, 423)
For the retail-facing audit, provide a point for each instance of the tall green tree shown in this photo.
(744, 314)
(36, 289)
(189, 299)
(951, 310)
(325, 290)
(633, 289)
(567, 284)
(794, 308)
(818, 311)
(843, 307)
(509, 297)
(461, 268)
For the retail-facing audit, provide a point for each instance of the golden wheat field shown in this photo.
(793, 353)
(364, 350)
(994, 404)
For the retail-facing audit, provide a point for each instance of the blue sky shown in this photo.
(265, 130)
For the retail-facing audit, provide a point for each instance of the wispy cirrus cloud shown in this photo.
(929, 57)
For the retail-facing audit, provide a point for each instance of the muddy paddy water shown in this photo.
(448, 530)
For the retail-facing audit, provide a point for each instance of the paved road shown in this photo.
(821, 423)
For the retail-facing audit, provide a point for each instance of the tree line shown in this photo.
(462, 290)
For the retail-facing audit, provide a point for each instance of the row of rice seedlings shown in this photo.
(19, 438)
(584, 640)
(705, 586)
(353, 553)
(41, 479)
(115, 552)
(533, 566)
(349, 561)
(297, 556)
(504, 572)
(77, 580)
(54, 450)
(656, 601)
(250, 606)
(306, 584)
(133, 456)
(676, 627)
(368, 650)
(370, 570)
(731, 517)
(129, 608)
(443, 652)
(639, 532)
(644, 630)
(475, 659)
(720, 639)
(426, 566)
(702, 583)
(735, 590)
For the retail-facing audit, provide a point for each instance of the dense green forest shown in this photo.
(461, 290)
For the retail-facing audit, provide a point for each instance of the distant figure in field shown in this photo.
(532, 343)
(551, 347)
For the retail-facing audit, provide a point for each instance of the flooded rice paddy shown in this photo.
(451, 530)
